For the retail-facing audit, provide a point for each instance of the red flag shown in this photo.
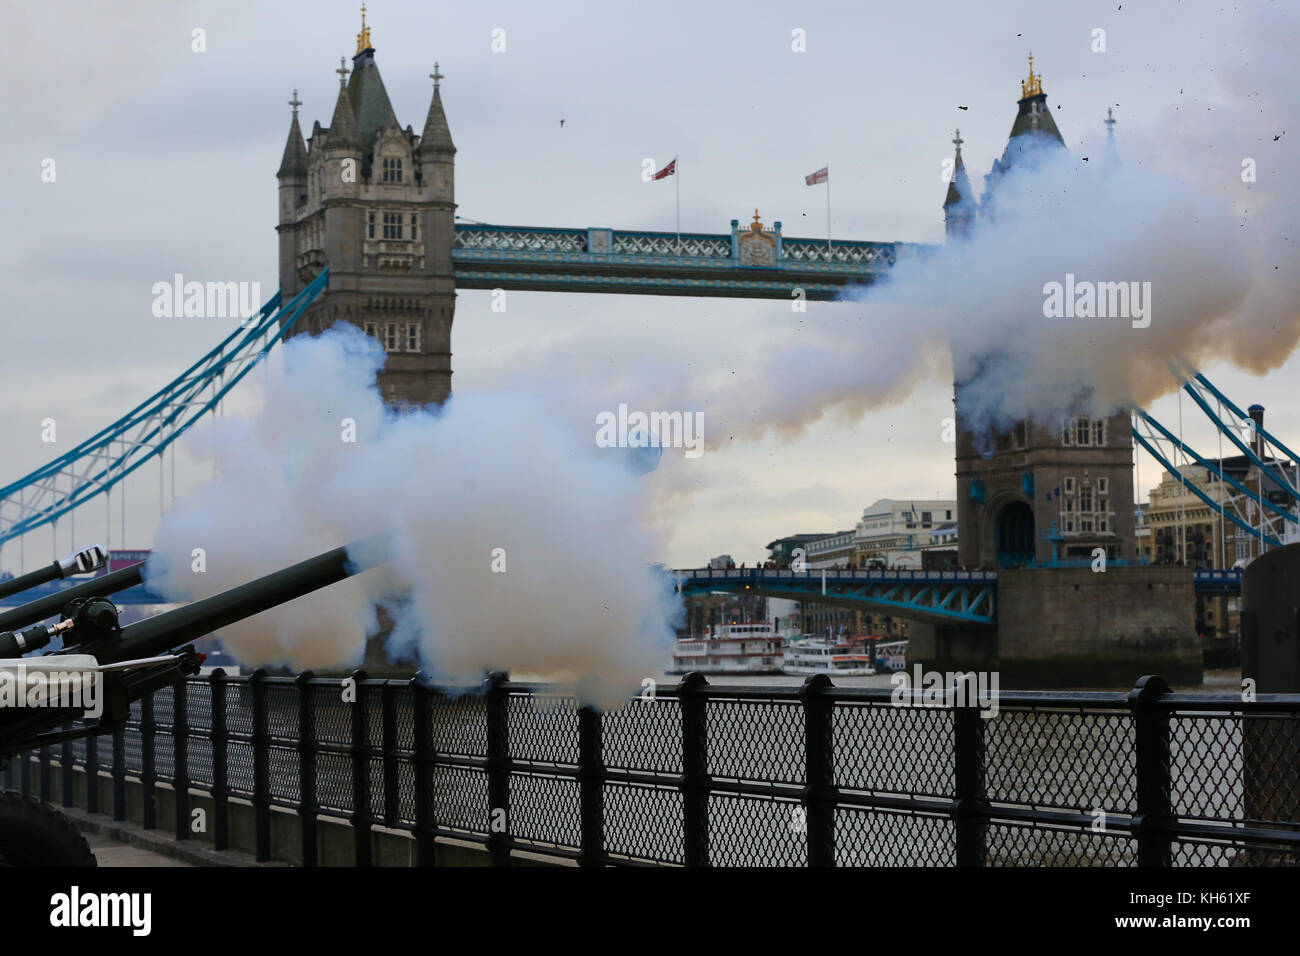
(667, 171)
(822, 175)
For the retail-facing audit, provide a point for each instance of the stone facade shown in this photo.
(375, 203)
(1073, 627)
(1045, 493)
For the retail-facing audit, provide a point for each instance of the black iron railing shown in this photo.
(696, 774)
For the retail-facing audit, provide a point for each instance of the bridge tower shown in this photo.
(375, 203)
(1035, 491)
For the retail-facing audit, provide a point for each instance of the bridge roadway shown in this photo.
(943, 596)
(936, 596)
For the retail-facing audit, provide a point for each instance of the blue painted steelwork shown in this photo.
(1268, 512)
(1270, 469)
(1215, 470)
(1217, 580)
(1214, 506)
(102, 461)
(967, 597)
(963, 597)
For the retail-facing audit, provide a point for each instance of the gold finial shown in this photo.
(756, 225)
(1032, 86)
(363, 38)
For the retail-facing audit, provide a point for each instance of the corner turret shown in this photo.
(959, 205)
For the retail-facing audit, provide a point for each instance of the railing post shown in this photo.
(306, 767)
(45, 773)
(424, 759)
(971, 807)
(591, 786)
(148, 765)
(819, 790)
(25, 772)
(498, 769)
(261, 767)
(181, 750)
(66, 771)
(220, 738)
(1154, 800)
(388, 701)
(92, 774)
(360, 774)
(119, 773)
(695, 781)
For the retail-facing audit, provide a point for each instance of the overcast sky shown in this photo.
(166, 163)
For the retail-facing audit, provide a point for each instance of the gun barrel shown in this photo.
(31, 579)
(86, 560)
(162, 632)
(36, 611)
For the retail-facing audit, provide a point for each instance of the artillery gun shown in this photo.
(101, 669)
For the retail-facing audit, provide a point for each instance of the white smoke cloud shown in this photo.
(1167, 205)
(443, 490)
(973, 310)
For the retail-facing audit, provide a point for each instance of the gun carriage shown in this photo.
(124, 663)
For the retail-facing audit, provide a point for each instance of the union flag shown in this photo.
(669, 170)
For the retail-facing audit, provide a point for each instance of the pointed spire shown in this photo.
(343, 127)
(1033, 116)
(294, 161)
(437, 134)
(959, 185)
(959, 204)
(1032, 86)
(1110, 151)
(363, 38)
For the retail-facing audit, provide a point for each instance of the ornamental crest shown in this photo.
(757, 246)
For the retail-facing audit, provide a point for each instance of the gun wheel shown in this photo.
(34, 834)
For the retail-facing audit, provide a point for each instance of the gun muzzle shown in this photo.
(162, 632)
(83, 562)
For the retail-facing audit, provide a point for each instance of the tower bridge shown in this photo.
(368, 235)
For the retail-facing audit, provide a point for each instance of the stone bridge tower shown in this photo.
(1036, 491)
(375, 203)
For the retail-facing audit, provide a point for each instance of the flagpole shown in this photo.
(677, 188)
(828, 206)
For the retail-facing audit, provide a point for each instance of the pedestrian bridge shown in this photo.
(747, 262)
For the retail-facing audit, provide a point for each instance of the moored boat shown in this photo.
(891, 655)
(741, 648)
(817, 656)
